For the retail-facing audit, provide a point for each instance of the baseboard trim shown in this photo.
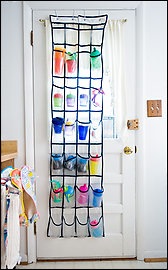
(86, 259)
(147, 260)
(23, 263)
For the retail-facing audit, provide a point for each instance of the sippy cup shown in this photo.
(59, 57)
(94, 165)
(97, 197)
(83, 194)
(69, 128)
(95, 228)
(95, 59)
(69, 192)
(57, 191)
(71, 62)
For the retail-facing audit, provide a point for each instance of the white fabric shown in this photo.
(13, 230)
(48, 72)
(114, 65)
(3, 213)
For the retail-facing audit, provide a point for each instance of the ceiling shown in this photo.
(82, 4)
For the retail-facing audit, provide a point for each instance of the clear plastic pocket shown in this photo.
(57, 160)
(70, 162)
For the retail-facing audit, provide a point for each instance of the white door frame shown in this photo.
(29, 115)
(29, 125)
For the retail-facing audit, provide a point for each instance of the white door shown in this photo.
(119, 168)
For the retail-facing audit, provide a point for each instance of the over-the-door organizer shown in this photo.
(76, 158)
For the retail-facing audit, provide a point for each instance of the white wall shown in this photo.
(152, 84)
(12, 92)
(155, 85)
(12, 106)
(151, 138)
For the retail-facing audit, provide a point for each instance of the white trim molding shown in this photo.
(29, 115)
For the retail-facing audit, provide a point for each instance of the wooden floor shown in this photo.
(95, 264)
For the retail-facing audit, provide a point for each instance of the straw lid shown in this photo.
(95, 53)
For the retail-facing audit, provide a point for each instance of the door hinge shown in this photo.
(135, 149)
(43, 21)
(31, 38)
(34, 228)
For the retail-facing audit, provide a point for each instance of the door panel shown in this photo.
(119, 168)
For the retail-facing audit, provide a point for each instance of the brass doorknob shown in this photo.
(128, 150)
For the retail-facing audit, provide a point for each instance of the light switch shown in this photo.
(154, 108)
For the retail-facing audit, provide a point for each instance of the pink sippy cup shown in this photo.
(83, 194)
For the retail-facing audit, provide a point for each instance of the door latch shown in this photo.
(133, 124)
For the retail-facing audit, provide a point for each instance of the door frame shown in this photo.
(29, 124)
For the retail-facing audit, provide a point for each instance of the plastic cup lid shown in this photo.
(83, 160)
(58, 120)
(57, 95)
(69, 123)
(95, 53)
(58, 190)
(57, 186)
(98, 192)
(68, 190)
(96, 158)
(84, 188)
(71, 157)
(60, 49)
(57, 157)
(70, 96)
(94, 222)
(84, 96)
(71, 56)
